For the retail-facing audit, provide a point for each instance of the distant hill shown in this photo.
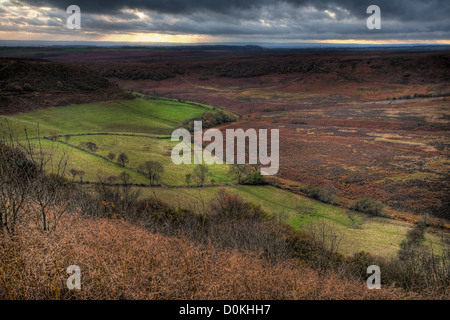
(27, 85)
(344, 66)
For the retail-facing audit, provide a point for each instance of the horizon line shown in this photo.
(326, 43)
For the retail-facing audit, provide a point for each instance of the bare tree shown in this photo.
(325, 243)
(152, 170)
(51, 195)
(125, 178)
(200, 174)
(15, 186)
(81, 173)
(111, 156)
(92, 147)
(188, 178)
(29, 175)
(239, 170)
(74, 173)
(123, 159)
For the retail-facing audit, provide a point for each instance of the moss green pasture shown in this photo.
(377, 235)
(156, 117)
(140, 149)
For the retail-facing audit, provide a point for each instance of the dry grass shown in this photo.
(119, 260)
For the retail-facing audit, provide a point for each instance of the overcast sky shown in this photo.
(247, 21)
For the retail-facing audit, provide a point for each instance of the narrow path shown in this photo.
(115, 134)
(165, 186)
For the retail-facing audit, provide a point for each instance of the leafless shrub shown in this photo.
(51, 194)
(124, 261)
(327, 194)
(15, 186)
(231, 206)
(24, 180)
(326, 244)
(200, 174)
(121, 199)
(153, 171)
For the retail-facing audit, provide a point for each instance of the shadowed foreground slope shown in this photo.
(121, 260)
(27, 85)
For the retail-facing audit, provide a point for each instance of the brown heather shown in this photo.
(119, 260)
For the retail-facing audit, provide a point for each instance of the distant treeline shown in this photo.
(422, 95)
(211, 119)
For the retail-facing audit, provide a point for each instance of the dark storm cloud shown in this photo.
(246, 19)
(417, 10)
(170, 6)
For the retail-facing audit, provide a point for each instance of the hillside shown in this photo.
(349, 133)
(141, 128)
(27, 85)
(122, 261)
(373, 123)
(149, 249)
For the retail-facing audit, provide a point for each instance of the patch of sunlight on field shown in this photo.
(267, 94)
(168, 110)
(137, 116)
(81, 160)
(411, 176)
(142, 149)
(413, 143)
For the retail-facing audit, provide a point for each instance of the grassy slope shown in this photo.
(141, 149)
(139, 116)
(372, 234)
(134, 116)
(80, 160)
(376, 235)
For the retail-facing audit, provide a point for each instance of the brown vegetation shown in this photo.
(147, 249)
(121, 261)
(338, 135)
(338, 121)
(27, 85)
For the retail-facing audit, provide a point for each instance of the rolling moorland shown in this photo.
(351, 126)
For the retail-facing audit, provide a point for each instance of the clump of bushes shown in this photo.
(369, 206)
(254, 179)
(327, 194)
(90, 146)
(416, 268)
(229, 205)
(210, 119)
(248, 174)
(422, 95)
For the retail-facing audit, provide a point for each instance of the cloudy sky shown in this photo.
(248, 21)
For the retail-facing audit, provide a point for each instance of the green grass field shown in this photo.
(139, 149)
(145, 119)
(94, 167)
(157, 117)
(148, 121)
(376, 235)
